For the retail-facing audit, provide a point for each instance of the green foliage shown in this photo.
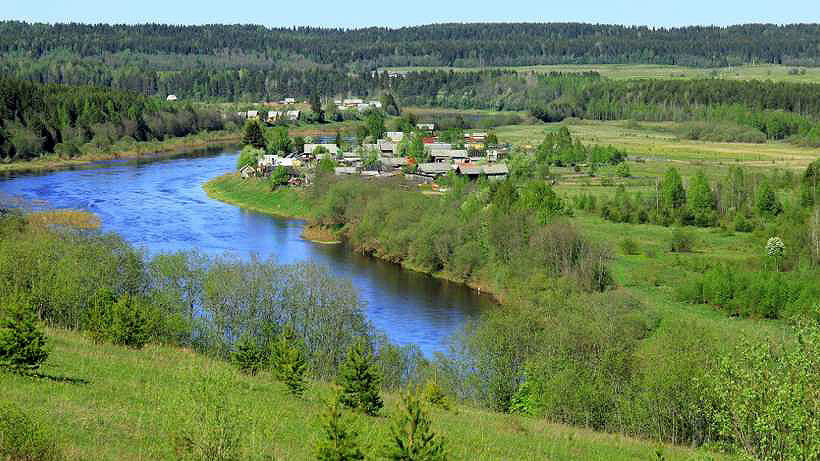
(702, 201)
(25, 437)
(252, 135)
(249, 356)
(375, 124)
(433, 394)
(289, 362)
(248, 156)
(681, 241)
(810, 184)
(360, 380)
(766, 201)
(129, 322)
(763, 399)
(672, 193)
(22, 340)
(277, 140)
(214, 432)
(629, 246)
(340, 442)
(279, 176)
(622, 170)
(412, 437)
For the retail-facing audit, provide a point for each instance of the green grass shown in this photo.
(256, 194)
(111, 403)
(777, 73)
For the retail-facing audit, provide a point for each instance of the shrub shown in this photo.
(433, 394)
(763, 399)
(681, 241)
(629, 246)
(214, 432)
(24, 437)
(22, 341)
(360, 380)
(340, 442)
(411, 437)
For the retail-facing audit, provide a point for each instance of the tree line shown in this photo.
(38, 119)
(437, 44)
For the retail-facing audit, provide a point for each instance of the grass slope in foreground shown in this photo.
(111, 403)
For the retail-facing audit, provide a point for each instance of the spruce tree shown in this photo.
(289, 362)
(248, 355)
(22, 340)
(340, 443)
(252, 135)
(360, 380)
(412, 438)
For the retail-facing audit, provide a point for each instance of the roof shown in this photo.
(171, 97)
(345, 170)
(496, 169)
(470, 169)
(332, 148)
(386, 145)
(449, 153)
(394, 135)
(253, 113)
(434, 168)
(439, 146)
(394, 161)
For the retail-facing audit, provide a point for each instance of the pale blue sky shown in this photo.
(411, 12)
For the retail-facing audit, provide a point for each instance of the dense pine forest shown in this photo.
(438, 44)
(37, 119)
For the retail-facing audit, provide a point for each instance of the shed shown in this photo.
(433, 170)
(448, 155)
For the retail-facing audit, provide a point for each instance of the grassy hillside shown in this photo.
(772, 72)
(111, 403)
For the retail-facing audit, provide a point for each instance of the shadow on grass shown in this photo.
(59, 379)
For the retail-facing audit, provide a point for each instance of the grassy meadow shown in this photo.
(107, 402)
(777, 73)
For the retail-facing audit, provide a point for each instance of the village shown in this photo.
(478, 154)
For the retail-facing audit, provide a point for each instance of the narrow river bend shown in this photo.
(160, 206)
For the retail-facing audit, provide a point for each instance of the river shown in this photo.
(159, 205)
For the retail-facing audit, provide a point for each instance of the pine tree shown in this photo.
(249, 356)
(289, 362)
(412, 438)
(360, 380)
(701, 200)
(22, 341)
(340, 443)
(252, 135)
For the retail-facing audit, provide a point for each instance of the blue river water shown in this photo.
(159, 205)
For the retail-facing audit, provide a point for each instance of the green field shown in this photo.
(111, 403)
(772, 72)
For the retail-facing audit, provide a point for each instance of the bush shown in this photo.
(22, 341)
(24, 437)
(629, 246)
(681, 241)
(214, 433)
(764, 399)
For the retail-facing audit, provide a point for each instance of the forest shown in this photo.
(439, 44)
(38, 119)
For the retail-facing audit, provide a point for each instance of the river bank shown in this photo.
(137, 150)
(255, 194)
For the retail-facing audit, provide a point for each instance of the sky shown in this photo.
(363, 13)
